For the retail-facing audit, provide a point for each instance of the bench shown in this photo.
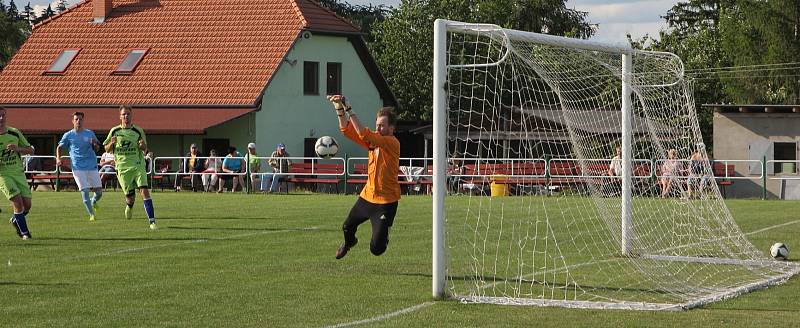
(55, 180)
(723, 171)
(313, 174)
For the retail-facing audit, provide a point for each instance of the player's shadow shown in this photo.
(215, 218)
(14, 283)
(251, 229)
(118, 239)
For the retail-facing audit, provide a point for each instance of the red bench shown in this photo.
(723, 171)
(315, 173)
(54, 180)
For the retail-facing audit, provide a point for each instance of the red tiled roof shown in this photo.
(201, 52)
(42, 120)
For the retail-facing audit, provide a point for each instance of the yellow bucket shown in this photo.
(498, 189)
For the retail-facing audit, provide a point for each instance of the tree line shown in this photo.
(736, 51)
(15, 25)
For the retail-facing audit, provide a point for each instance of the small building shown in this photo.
(757, 133)
(212, 72)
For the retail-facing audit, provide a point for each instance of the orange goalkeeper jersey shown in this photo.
(384, 164)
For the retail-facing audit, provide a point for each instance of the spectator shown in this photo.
(192, 163)
(615, 172)
(280, 167)
(669, 170)
(253, 163)
(107, 166)
(212, 165)
(697, 171)
(233, 165)
(455, 167)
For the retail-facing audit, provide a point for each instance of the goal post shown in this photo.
(538, 117)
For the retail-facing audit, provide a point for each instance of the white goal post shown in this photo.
(539, 117)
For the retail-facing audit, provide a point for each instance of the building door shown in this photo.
(308, 149)
(220, 145)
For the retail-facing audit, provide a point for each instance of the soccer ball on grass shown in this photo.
(779, 251)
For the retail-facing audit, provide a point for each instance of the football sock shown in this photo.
(19, 220)
(97, 196)
(148, 207)
(87, 202)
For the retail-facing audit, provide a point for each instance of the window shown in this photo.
(310, 78)
(785, 151)
(131, 61)
(62, 61)
(334, 78)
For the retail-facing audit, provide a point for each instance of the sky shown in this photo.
(616, 18)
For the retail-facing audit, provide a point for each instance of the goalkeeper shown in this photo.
(378, 200)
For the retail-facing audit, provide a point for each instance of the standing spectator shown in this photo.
(280, 167)
(253, 163)
(698, 179)
(192, 163)
(213, 165)
(232, 164)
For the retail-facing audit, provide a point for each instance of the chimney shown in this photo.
(100, 10)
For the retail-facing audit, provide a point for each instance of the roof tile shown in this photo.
(212, 52)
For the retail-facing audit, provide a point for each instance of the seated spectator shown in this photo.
(455, 167)
(212, 165)
(107, 167)
(280, 167)
(192, 163)
(669, 170)
(614, 187)
(233, 164)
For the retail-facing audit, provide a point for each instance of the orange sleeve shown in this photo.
(350, 132)
(389, 143)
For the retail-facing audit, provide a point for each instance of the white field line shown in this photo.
(195, 241)
(383, 317)
(724, 238)
(419, 306)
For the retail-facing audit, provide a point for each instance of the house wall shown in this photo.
(736, 133)
(239, 132)
(288, 116)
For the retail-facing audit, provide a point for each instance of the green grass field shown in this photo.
(268, 261)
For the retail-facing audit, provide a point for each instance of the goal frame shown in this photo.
(441, 27)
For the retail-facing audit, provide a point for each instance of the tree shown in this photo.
(362, 16)
(403, 45)
(62, 6)
(28, 14)
(13, 12)
(46, 13)
(762, 33)
(13, 33)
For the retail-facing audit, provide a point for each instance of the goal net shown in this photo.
(575, 175)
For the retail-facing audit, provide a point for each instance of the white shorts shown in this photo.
(87, 179)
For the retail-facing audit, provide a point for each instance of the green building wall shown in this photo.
(288, 116)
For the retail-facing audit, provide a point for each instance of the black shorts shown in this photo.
(381, 216)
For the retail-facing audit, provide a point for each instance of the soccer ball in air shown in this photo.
(326, 147)
(779, 251)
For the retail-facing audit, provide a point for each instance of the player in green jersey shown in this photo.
(128, 143)
(12, 174)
